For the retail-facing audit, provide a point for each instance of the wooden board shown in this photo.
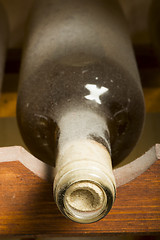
(27, 206)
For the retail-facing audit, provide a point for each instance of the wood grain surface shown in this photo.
(27, 206)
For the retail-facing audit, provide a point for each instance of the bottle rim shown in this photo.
(100, 186)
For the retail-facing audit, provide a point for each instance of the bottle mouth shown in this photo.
(83, 195)
(85, 202)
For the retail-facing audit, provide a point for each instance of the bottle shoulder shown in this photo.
(99, 86)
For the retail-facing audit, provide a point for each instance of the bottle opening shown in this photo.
(84, 197)
(85, 200)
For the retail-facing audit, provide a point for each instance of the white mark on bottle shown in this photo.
(95, 92)
(41, 116)
(96, 78)
(84, 71)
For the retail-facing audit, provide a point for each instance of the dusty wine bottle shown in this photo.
(4, 30)
(80, 102)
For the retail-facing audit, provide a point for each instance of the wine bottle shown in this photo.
(3, 41)
(80, 104)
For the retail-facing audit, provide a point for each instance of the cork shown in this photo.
(84, 197)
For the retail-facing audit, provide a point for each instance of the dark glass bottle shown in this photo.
(80, 99)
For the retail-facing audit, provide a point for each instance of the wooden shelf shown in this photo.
(27, 206)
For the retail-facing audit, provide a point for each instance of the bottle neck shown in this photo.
(84, 185)
(80, 125)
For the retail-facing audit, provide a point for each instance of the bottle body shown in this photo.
(79, 82)
(58, 64)
(3, 41)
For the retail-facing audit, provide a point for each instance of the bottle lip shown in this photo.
(100, 187)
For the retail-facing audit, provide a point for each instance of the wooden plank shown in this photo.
(27, 206)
